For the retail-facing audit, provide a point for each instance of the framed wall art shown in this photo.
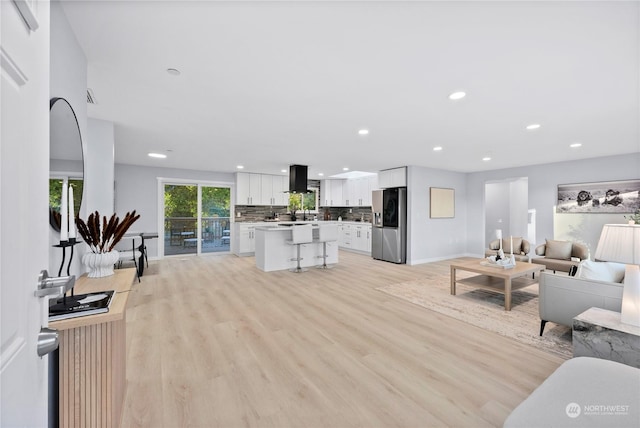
(600, 197)
(442, 203)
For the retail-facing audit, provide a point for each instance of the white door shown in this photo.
(24, 235)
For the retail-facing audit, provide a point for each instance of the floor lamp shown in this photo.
(621, 243)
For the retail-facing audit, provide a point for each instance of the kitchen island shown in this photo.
(273, 252)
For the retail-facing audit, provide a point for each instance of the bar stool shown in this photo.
(326, 233)
(300, 235)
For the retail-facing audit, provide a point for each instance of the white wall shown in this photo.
(497, 212)
(68, 80)
(99, 160)
(543, 183)
(434, 239)
(518, 207)
(137, 189)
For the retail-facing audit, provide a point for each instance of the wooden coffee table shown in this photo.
(495, 278)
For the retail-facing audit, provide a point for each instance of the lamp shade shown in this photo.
(498, 233)
(619, 243)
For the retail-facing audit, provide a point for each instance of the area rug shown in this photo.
(485, 309)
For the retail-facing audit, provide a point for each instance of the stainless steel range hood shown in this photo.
(298, 179)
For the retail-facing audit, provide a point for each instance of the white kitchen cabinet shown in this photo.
(372, 184)
(360, 193)
(355, 237)
(325, 193)
(396, 177)
(337, 198)
(344, 235)
(331, 193)
(261, 189)
(355, 192)
(245, 238)
(266, 190)
(349, 193)
(273, 190)
(364, 192)
(361, 238)
(280, 190)
(248, 189)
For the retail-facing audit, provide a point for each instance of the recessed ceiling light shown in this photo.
(173, 71)
(345, 169)
(157, 155)
(574, 145)
(363, 132)
(320, 174)
(437, 148)
(533, 126)
(240, 166)
(283, 170)
(457, 95)
(486, 158)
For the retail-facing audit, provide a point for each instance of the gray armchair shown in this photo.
(560, 255)
(562, 297)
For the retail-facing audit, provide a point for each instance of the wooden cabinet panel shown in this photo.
(92, 357)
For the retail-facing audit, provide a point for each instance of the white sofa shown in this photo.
(563, 297)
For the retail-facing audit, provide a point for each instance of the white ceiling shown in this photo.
(269, 84)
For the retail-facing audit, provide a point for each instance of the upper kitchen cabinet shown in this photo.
(280, 190)
(355, 192)
(396, 177)
(248, 189)
(261, 189)
(273, 190)
(331, 193)
(359, 191)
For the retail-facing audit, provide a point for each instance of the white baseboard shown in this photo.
(438, 259)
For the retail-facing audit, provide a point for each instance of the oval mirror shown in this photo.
(66, 162)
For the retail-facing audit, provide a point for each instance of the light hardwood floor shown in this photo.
(214, 342)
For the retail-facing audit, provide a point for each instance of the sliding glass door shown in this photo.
(180, 219)
(196, 219)
(215, 226)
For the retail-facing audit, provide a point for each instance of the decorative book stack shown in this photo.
(80, 305)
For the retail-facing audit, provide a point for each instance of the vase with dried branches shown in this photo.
(102, 237)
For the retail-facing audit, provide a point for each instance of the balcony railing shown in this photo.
(181, 234)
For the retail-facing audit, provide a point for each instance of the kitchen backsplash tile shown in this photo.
(250, 213)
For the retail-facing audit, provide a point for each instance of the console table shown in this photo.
(599, 333)
(92, 355)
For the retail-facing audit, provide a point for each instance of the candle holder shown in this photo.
(64, 244)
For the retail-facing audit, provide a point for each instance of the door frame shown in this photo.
(162, 181)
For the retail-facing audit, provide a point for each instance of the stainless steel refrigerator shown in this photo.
(389, 231)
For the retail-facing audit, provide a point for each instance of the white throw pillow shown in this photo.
(601, 271)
